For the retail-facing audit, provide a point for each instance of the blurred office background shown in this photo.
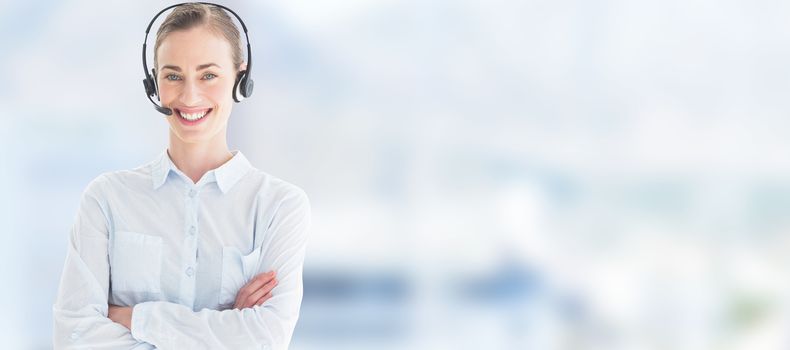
(484, 174)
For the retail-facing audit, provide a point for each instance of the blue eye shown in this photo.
(172, 77)
(209, 76)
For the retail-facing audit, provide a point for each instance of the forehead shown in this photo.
(195, 46)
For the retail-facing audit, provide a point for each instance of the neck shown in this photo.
(195, 159)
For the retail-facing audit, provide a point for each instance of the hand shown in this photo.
(121, 314)
(256, 291)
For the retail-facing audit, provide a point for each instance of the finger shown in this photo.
(252, 298)
(254, 284)
(251, 286)
(263, 299)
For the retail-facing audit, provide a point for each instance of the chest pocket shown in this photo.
(136, 263)
(237, 270)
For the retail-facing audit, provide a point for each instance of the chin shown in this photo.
(193, 136)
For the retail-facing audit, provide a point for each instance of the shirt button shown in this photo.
(190, 271)
(75, 335)
(192, 193)
(192, 230)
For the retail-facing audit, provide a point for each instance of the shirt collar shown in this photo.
(226, 175)
(232, 171)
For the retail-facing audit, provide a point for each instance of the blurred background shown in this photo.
(533, 174)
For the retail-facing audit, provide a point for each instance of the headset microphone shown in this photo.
(242, 88)
(163, 110)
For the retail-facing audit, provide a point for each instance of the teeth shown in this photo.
(193, 116)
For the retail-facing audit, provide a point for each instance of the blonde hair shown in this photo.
(192, 15)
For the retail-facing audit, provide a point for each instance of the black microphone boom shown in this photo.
(160, 109)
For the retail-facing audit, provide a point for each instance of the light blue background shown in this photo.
(484, 175)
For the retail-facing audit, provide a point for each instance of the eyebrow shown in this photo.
(200, 67)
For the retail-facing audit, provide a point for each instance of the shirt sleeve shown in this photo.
(269, 326)
(80, 309)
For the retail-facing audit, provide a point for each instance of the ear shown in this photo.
(243, 66)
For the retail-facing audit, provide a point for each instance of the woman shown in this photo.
(197, 249)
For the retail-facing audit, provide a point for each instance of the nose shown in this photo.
(191, 93)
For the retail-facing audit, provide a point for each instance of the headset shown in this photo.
(242, 88)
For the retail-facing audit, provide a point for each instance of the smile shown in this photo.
(194, 115)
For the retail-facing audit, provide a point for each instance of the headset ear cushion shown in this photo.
(153, 83)
(247, 86)
(238, 87)
(149, 89)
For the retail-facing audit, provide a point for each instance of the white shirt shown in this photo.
(179, 252)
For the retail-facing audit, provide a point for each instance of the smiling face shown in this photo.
(195, 75)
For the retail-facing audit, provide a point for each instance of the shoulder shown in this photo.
(282, 208)
(270, 188)
(115, 180)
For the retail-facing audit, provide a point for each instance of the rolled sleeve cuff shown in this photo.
(139, 317)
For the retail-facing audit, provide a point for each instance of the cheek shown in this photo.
(166, 93)
(218, 92)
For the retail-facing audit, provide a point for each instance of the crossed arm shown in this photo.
(254, 293)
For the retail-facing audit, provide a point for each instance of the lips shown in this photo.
(192, 116)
